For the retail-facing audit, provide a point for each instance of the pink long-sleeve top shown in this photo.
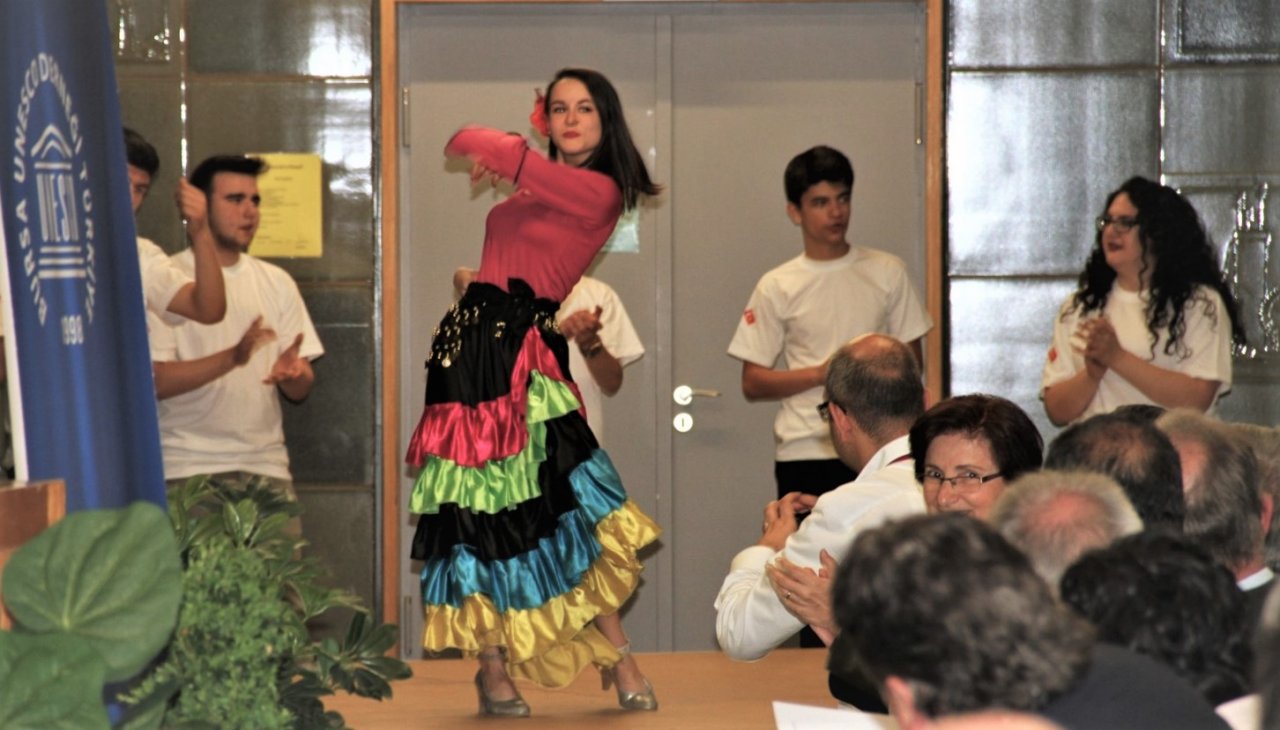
(548, 232)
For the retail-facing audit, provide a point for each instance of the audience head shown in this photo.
(816, 165)
(1128, 448)
(992, 720)
(1054, 517)
(946, 616)
(143, 165)
(875, 382)
(1225, 511)
(1140, 412)
(968, 448)
(1265, 442)
(1161, 596)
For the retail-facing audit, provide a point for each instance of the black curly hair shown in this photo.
(1182, 256)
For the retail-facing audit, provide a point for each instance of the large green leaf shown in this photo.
(50, 681)
(111, 578)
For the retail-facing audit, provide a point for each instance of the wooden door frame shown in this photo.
(388, 126)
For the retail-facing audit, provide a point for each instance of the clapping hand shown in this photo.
(253, 338)
(806, 593)
(780, 518)
(193, 206)
(582, 325)
(288, 366)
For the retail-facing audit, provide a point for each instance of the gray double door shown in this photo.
(719, 98)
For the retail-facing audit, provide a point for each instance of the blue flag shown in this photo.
(80, 385)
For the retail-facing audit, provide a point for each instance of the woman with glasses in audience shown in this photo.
(1152, 320)
(968, 448)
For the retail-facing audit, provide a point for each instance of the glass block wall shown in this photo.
(1051, 105)
(199, 77)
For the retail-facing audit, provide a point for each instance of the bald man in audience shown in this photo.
(873, 394)
(1228, 513)
(1132, 451)
(1054, 517)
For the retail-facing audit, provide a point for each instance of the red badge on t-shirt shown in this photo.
(750, 316)
(1053, 354)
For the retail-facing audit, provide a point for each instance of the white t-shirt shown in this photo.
(233, 423)
(161, 279)
(1204, 352)
(802, 311)
(750, 620)
(616, 333)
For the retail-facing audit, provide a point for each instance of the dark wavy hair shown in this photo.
(816, 165)
(202, 176)
(616, 155)
(1014, 439)
(1171, 230)
(948, 605)
(1161, 596)
(140, 153)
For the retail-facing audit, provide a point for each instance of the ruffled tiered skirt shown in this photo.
(525, 531)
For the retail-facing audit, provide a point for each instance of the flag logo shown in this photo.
(54, 207)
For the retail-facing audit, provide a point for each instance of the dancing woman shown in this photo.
(528, 539)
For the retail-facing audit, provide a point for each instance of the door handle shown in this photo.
(683, 395)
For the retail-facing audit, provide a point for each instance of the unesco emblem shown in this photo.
(54, 206)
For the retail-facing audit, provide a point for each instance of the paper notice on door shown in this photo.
(292, 215)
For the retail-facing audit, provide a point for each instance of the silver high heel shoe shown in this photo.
(642, 700)
(502, 708)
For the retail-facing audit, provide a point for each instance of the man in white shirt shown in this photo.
(220, 385)
(801, 311)
(874, 394)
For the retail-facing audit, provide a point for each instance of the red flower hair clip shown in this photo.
(538, 117)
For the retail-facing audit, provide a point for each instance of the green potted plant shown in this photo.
(241, 655)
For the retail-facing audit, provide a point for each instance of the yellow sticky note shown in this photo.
(292, 224)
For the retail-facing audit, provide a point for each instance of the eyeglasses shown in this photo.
(1123, 223)
(824, 410)
(965, 482)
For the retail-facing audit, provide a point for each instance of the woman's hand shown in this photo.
(1102, 347)
(806, 594)
(480, 172)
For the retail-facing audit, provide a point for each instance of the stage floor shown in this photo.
(695, 690)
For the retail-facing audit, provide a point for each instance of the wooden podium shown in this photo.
(25, 510)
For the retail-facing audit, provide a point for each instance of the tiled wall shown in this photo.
(1051, 105)
(199, 77)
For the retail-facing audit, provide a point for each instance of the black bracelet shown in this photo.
(516, 180)
(592, 350)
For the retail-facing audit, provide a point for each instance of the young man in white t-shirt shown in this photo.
(220, 385)
(803, 310)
